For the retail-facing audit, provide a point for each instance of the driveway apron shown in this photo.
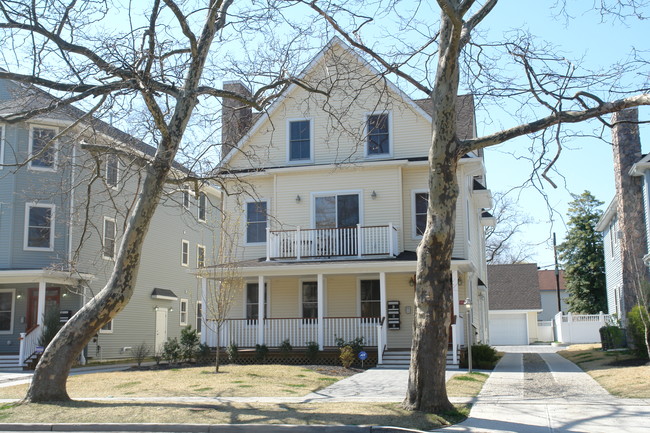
(542, 393)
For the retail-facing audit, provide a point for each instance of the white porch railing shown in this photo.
(28, 343)
(356, 241)
(299, 331)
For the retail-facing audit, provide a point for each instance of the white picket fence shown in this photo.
(580, 328)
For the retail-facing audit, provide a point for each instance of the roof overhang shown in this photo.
(606, 218)
(26, 276)
(539, 310)
(163, 294)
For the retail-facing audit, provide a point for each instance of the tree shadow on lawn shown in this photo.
(231, 413)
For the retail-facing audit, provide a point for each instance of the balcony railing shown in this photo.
(359, 241)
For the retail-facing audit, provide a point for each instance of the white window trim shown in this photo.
(330, 193)
(117, 181)
(268, 296)
(268, 207)
(105, 257)
(311, 140)
(390, 135)
(198, 246)
(197, 318)
(55, 146)
(29, 205)
(205, 207)
(110, 330)
(183, 243)
(2, 145)
(13, 310)
(414, 231)
(180, 311)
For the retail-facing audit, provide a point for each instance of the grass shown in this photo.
(610, 371)
(230, 413)
(466, 385)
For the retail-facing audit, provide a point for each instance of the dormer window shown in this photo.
(378, 135)
(300, 141)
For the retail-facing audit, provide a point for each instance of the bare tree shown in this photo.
(450, 51)
(158, 59)
(502, 245)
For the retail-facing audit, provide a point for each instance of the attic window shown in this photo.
(378, 135)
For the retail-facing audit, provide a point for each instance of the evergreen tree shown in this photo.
(583, 257)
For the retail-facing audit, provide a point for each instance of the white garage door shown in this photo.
(508, 329)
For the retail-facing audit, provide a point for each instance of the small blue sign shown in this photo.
(39, 350)
(363, 355)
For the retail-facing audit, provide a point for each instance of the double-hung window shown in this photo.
(199, 316)
(185, 253)
(183, 313)
(370, 298)
(300, 140)
(420, 205)
(39, 227)
(7, 311)
(378, 135)
(200, 256)
(201, 206)
(2, 145)
(112, 170)
(309, 301)
(256, 220)
(253, 301)
(186, 199)
(110, 231)
(42, 149)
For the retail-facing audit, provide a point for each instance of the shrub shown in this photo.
(483, 356)
(356, 344)
(312, 351)
(140, 352)
(261, 351)
(51, 326)
(286, 347)
(635, 319)
(189, 343)
(203, 354)
(233, 353)
(612, 337)
(172, 351)
(346, 356)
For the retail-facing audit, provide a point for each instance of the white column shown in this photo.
(454, 331)
(40, 311)
(204, 309)
(383, 305)
(261, 310)
(320, 283)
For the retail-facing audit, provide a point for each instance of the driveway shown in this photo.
(534, 390)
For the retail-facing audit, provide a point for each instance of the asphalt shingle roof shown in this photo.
(514, 287)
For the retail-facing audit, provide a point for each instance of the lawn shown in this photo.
(618, 372)
(233, 381)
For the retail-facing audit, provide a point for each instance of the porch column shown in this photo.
(320, 285)
(383, 306)
(454, 330)
(204, 308)
(40, 311)
(261, 309)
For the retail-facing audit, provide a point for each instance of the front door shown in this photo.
(52, 300)
(161, 329)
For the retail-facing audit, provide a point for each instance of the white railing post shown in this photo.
(261, 310)
(320, 290)
(390, 238)
(21, 351)
(359, 241)
(268, 244)
(380, 344)
(204, 306)
(298, 244)
(601, 318)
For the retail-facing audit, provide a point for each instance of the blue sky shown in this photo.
(588, 164)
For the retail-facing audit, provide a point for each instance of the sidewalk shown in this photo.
(550, 396)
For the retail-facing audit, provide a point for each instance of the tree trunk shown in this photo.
(216, 360)
(433, 296)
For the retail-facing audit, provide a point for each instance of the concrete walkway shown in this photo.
(532, 392)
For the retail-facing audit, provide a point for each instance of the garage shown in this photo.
(508, 329)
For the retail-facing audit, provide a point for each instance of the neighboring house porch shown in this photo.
(26, 296)
(327, 299)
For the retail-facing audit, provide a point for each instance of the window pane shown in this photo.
(370, 290)
(348, 210)
(202, 207)
(299, 140)
(39, 230)
(325, 212)
(378, 134)
(41, 137)
(109, 238)
(5, 302)
(39, 216)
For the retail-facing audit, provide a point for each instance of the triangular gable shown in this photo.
(332, 44)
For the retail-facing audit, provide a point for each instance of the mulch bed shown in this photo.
(635, 362)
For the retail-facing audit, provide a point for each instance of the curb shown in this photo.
(204, 428)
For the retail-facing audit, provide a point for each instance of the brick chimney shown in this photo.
(626, 145)
(236, 117)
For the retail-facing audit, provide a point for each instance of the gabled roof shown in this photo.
(547, 280)
(465, 107)
(514, 287)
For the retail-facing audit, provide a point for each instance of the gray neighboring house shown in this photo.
(514, 303)
(548, 294)
(62, 215)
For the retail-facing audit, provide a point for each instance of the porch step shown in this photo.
(9, 361)
(401, 360)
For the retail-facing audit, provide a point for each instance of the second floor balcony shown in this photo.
(357, 241)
